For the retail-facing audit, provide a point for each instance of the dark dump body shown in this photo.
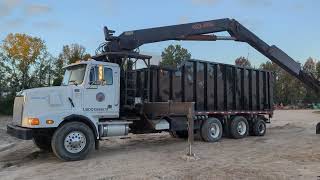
(212, 86)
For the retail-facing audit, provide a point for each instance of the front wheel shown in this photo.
(72, 141)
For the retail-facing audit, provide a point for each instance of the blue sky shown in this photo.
(292, 25)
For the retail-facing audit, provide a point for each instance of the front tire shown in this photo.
(72, 141)
(239, 127)
(211, 130)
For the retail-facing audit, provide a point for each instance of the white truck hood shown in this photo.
(41, 103)
(41, 100)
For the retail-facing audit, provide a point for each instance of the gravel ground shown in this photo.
(289, 150)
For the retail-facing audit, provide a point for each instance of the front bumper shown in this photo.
(19, 132)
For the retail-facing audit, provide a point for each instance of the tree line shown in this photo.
(25, 63)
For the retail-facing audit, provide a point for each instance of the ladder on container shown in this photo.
(130, 87)
(135, 86)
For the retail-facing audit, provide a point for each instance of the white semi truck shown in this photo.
(106, 96)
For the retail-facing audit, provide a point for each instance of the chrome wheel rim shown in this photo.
(241, 128)
(214, 131)
(75, 141)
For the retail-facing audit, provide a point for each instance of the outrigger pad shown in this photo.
(318, 128)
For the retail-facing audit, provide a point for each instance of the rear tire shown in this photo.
(43, 142)
(239, 127)
(72, 141)
(211, 130)
(259, 128)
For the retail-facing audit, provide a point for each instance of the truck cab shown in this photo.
(89, 92)
(89, 88)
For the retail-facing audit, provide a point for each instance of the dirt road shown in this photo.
(290, 150)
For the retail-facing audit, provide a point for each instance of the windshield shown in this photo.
(74, 74)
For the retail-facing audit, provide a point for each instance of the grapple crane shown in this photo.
(128, 41)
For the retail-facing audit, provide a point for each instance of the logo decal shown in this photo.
(100, 97)
(203, 25)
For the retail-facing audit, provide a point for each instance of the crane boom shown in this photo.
(128, 41)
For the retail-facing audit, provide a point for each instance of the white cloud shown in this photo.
(205, 2)
(14, 23)
(8, 6)
(47, 24)
(183, 20)
(264, 3)
(36, 9)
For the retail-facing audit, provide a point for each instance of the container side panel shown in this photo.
(188, 82)
(194, 64)
(142, 82)
(145, 84)
(250, 88)
(271, 88)
(205, 88)
(215, 72)
(261, 86)
(199, 83)
(245, 89)
(254, 90)
(176, 86)
(268, 89)
(239, 89)
(264, 89)
(230, 87)
(211, 87)
(220, 87)
(164, 85)
(154, 85)
(138, 83)
(257, 90)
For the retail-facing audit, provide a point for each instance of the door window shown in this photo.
(94, 76)
(108, 76)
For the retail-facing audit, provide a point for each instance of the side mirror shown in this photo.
(100, 73)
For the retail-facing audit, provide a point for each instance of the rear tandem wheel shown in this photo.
(211, 130)
(239, 127)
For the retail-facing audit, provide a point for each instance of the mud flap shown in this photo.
(318, 128)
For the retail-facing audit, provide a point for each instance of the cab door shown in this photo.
(100, 97)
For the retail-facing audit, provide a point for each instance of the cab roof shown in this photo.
(91, 61)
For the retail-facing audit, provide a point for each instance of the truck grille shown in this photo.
(18, 110)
